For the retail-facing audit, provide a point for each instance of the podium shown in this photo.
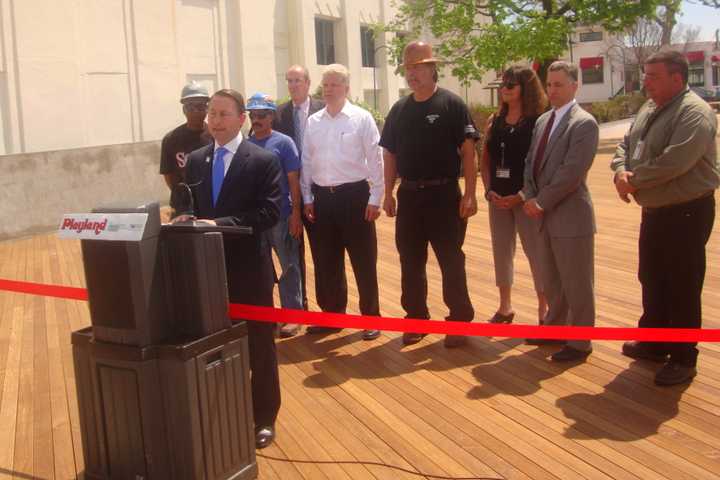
(162, 374)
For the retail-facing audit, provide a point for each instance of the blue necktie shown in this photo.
(299, 127)
(218, 173)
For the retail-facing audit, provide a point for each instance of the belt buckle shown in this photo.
(332, 189)
(421, 185)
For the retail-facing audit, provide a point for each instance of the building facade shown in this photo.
(78, 73)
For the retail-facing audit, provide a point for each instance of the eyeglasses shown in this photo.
(509, 85)
(195, 106)
(258, 115)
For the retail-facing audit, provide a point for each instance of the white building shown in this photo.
(77, 73)
(606, 70)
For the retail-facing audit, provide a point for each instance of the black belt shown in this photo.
(339, 188)
(420, 184)
(677, 206)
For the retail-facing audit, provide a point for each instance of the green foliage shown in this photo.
(475, 36)
(622, 106)
(377, 116)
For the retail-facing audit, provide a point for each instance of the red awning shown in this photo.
(695, 57)
(591, 62)
(716, 58)
(536, 66)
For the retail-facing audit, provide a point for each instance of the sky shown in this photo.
(699, 15)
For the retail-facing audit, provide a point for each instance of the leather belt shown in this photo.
(421, 184)
(339, 188)
(670, 208)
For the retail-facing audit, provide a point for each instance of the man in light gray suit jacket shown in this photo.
(563, 147)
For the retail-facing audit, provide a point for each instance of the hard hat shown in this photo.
(260, 101)
(193, 90)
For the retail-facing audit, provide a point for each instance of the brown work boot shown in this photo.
(288, 330)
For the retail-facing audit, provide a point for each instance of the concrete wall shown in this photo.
(36, 189)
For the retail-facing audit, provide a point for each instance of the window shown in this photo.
(716, 75)
(591, 36)
(325, 41)
(696, 73)
(367, 45)
(696, 76)
(592, 70)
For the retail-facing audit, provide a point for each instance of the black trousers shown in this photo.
(340, 225)
(264, 376)
(431, 215)
(672, 270)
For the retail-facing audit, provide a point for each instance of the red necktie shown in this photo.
(538, 161)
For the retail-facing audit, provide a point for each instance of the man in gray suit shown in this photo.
(563, 146)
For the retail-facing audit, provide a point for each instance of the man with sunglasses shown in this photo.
(285, 235)
(189, 136)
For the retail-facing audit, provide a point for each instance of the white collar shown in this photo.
(560, 112)
(233, 145)
(304, 106)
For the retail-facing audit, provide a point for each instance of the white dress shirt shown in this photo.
(342, 149)
(231, 148)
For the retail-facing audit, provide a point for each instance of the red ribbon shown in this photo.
(281, 315)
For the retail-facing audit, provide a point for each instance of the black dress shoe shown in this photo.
(500, 318)
(674, 374)
(370, 334)
(264, 436)
(410, 338)
(642, 351)
(570, 354)
(319, 329)
(543, 341)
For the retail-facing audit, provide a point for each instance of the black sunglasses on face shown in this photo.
(259, 115)
(195, 106)
(509, 85)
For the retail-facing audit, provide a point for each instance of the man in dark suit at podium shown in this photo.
(238, 184)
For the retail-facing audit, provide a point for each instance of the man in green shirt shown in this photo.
(668, 164)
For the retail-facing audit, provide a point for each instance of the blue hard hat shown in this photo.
(260, 101)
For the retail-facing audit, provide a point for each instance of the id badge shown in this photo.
(502, 173)
(638, 150)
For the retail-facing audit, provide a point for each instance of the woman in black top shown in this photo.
(502, 166)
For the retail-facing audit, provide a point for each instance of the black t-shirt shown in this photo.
(426, 136)
(508, 146)
(177, 144)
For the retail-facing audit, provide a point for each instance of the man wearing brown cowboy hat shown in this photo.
(429, 141)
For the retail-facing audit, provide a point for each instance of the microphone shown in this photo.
(181, 198)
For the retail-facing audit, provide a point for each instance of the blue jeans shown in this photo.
(287, 249)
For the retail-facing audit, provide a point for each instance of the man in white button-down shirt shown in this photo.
(342, 186)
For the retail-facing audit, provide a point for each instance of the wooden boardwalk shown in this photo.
(377, 410)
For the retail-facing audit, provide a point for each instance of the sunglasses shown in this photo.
(259, 115)
(509, 85)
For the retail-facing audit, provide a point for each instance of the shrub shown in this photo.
(622, 106)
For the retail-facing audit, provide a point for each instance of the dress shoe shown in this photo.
(264, 436)
(410, 338)
(570, 354)
(313, 329)
(454, 341)
(543, 341)
(289, 330)
(370, 334)
(500, 318)
(673, 373)
(642, 351)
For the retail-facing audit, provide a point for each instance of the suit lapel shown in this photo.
(556, 134)
(205, 188)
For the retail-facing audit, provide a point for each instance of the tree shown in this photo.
(474, 36)
(709, 3)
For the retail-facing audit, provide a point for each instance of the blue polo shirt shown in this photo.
(284, 147)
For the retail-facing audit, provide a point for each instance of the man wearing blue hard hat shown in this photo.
(284, 236)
